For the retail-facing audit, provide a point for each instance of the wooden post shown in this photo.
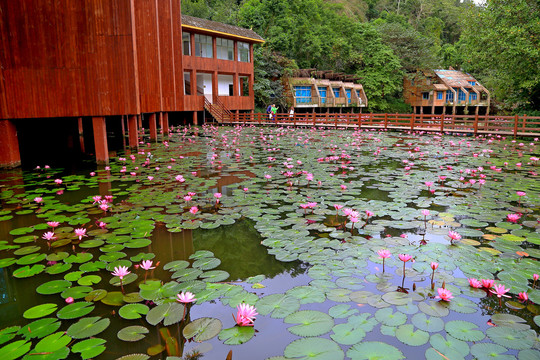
(314, 119)
(476, 124)
(360, 120)
(9, 145)
(195, 119)
(100, 140)
(133, 131)
(153, 126)
(516, 119)
(123, 131)
(81, 134)
(524, 125)
(165, 123)
(442, 123)
(386, 120)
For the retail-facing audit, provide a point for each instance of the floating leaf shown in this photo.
(206, 328)
(53, 287)
(52, 343)
(39, 328)
(236, 335)
(390, 318)
(486, 351)
(206, 263)
(134, 357)
(278, 305)
(132, 333)
(347, 334)
(133, 311)
(113, 298)
(338, 311)
(15, 349)
(434, 308)
(88, 327)
(314, 349)
(96, 295)
(169, 313)
(311, 323)
(464, 330)
(9, 333)
(407, 335)
(75, 310)
(89, 348)
(369, 350)
(512, 338)
(509, 320)
(40, 311)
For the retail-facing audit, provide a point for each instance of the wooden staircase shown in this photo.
(218, 110)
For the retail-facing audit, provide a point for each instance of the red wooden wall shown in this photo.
(68, 58)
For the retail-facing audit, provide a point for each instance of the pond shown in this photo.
(348, 244)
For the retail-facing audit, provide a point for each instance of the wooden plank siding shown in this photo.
(69, 58)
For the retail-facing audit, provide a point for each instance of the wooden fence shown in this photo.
(474, 124)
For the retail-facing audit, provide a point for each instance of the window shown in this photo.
(322, 93)
(449, 96)
(461, 95)
(359, 96)
(425, 96)
(336, 92)
(224, 49)
(348, 92)
(203, 46)
(439, 95)
(243, 52)
(244, 85)
(302, 94)
(186, 43)
(225, 85)
(472, 83)
(187, 83)
(472, 96)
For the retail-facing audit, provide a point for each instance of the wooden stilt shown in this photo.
(100, 140)
(81, 134)
(195, 120)
(9, 145)
(153, 126)
(133, 131)
(165, 124)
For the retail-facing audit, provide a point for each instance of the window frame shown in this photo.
(227, 48)
(186, 39)
(243, 51)
(204, 49)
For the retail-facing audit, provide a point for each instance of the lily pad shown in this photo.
(133, 311)
(53, 287)
(512, 338)
(464, 330)
(40, 311)
(206, 328)
(311, 323)
(369, 350)
(87, 327)
(15, 349)
(132, 333)
(236, 335)
(314, 349)
(169, 313)
(89, 348)
(39, 328)
(277, 305)
(407, 335)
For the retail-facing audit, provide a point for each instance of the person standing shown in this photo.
(269, 112)
(274, 112)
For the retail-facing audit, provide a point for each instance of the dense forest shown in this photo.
(380, 41)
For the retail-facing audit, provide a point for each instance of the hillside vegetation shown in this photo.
(381, 41)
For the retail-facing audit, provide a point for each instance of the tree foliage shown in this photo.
(501, 43)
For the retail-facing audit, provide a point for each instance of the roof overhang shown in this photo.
(191, 27)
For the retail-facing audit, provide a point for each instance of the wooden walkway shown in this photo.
(522, 126)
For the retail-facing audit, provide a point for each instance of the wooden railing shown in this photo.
(474, 124)
(218, 110)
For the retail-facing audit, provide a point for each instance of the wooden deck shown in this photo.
(522, 126)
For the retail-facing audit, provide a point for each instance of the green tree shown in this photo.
(501, 42)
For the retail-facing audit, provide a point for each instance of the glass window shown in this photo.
(461, 95)
(439, 95)
(244, 85)
(336, 92)
(243, 52)
(359, 96)
(348, 92)
(472, 83)
(449, 96)
(187, 83)
(322, 93)
(472, 96)
(302, 94)
(224, 49)
(203, 46)
(425, 95)
(186, 43)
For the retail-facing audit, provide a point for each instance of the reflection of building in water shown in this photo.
(4, 293)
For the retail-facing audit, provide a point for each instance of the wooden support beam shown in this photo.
(165, 123)
(9, 145)
(153, 126)
(195, 120)
(133, 131)
(81, 134)
(100, 140)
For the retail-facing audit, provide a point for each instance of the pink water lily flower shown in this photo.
(523, 296)
(218, 196)
(194, 210)
(487, 283)
(434, 265)
(369, 213)
(475, 283)
(49, 235)
(147, 265)
(185, 297)
(405, 257)
(53, 224)
(429, 184)
(38, 199)
(454, 236)
(513, 217)
(80, 232)
(384, 254)
(121, 271)
(444, 294)
(425, 212)
(245, 315)
(58, 181)
(500, 290)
